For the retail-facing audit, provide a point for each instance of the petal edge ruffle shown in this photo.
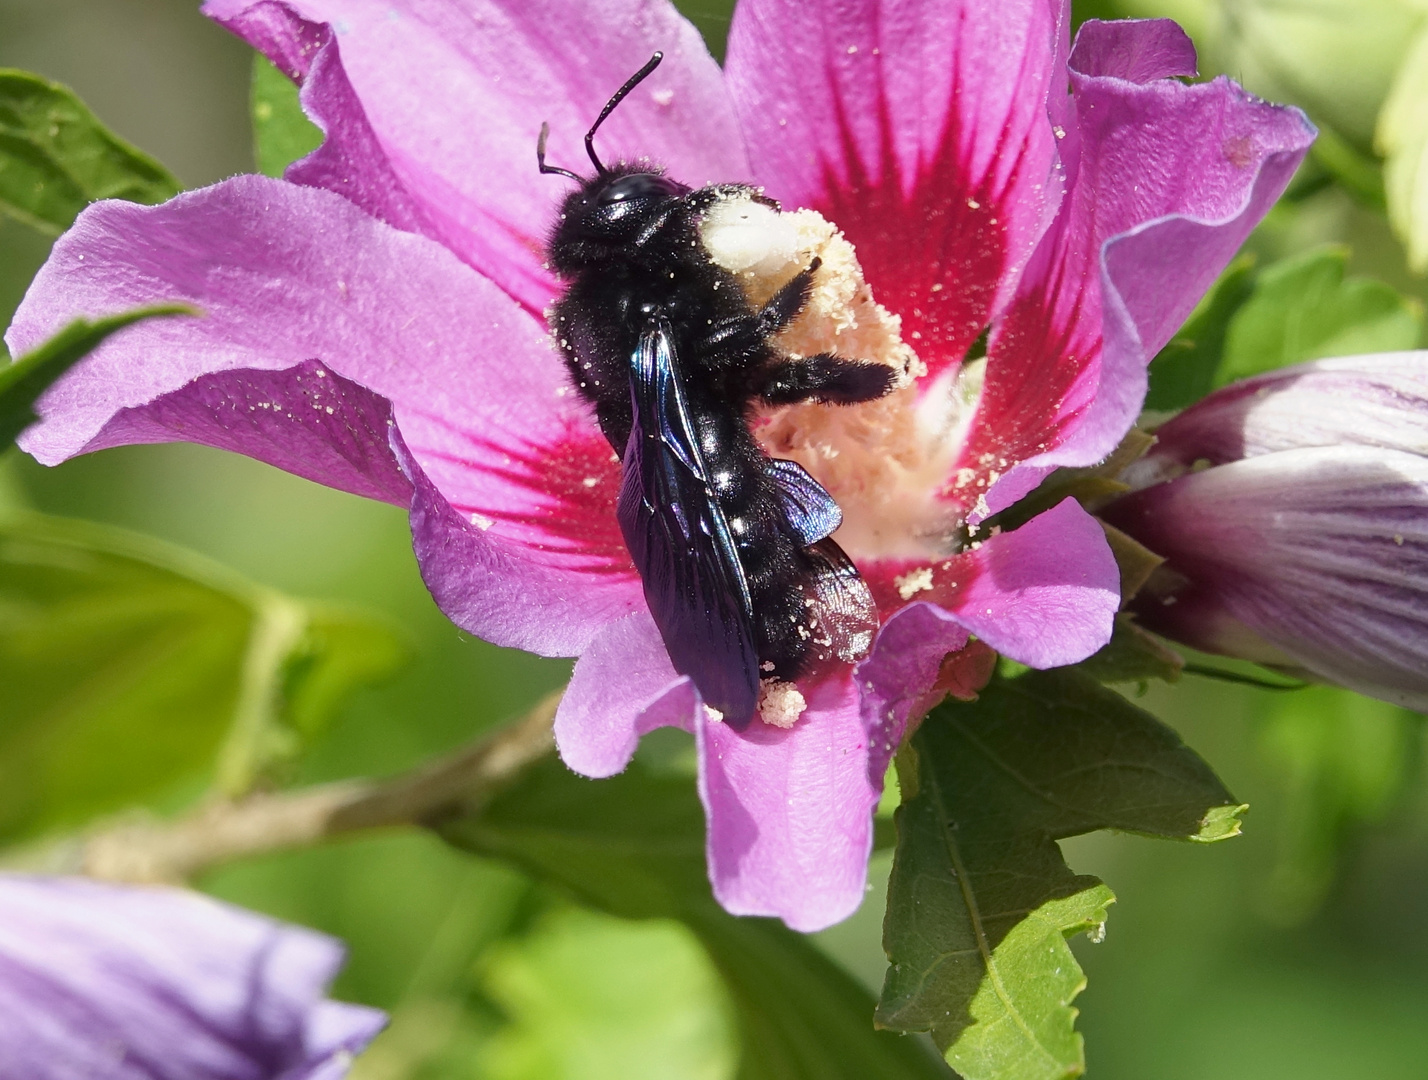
(1166, 181)
(312, 305)
(408, 67)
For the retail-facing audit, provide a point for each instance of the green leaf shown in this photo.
(589, 996)
(1304, 308)
(981, 903)
(633, 846)
(800, 1015)
(1299, 309)
(1184, 371)
(128, 664)
(301, 662)
(341, 647)
(1402, 138)
(22, 382)
(56, 157)
(282, 133)
(1344, 761)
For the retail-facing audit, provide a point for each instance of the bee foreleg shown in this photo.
(824, 377)
(783, 307)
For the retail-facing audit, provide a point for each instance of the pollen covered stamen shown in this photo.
(887, 462)
(766, 248)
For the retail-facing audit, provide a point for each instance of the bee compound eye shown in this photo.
(635, 186)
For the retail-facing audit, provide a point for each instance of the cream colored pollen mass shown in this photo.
(780, 703)
(884, 460)
(766, 247)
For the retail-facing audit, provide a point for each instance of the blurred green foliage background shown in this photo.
(1299, 950)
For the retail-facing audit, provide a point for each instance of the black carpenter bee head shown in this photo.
(615, 211)
(610, 215)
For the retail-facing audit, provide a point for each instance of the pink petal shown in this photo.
(352, 160)
(1137, 50)
(920, 128)
(790, 811)
(289, 274)
(901, 672)
(1166, 182)
(507, 593)
(1046, 594)
(623, 687)
(305, 420)
(452, 95)
(284, 274)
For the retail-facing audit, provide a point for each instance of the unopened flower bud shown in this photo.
(1292, 511)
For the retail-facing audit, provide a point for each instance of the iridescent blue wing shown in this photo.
(680, 541)
(811, 512)
(844, 615)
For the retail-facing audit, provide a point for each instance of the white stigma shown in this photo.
(884, 461)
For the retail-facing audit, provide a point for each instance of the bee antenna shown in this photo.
(540, 156)
(620, 95)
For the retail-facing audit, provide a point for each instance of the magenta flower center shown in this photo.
(886, 462)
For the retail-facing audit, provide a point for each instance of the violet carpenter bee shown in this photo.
(733, 547)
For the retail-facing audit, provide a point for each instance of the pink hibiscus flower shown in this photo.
(375, 323)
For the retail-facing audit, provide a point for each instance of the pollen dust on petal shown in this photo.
(885, 461)
(914, 582)
(780, 703)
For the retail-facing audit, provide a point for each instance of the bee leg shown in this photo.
(738, 336)
(745, 336)
(783, 307)
(824, 377)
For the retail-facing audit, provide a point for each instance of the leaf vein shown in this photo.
(974, 913)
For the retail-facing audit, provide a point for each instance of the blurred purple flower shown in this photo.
(1304, 545)
(126, 983)
(375, 323)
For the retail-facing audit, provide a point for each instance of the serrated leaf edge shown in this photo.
(1221, 823)
(974, 912)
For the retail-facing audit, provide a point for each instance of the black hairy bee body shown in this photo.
(732, 546)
